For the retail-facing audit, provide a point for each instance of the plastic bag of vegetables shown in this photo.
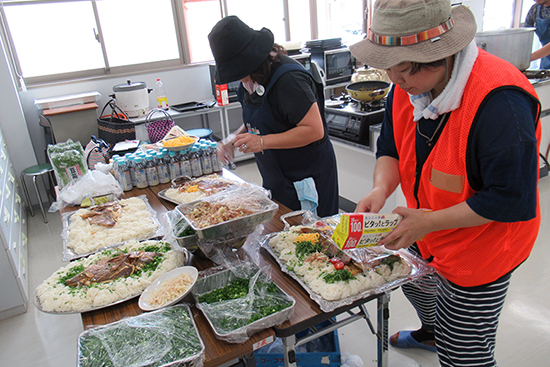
(68, 161)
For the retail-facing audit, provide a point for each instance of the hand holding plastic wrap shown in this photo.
(93, 183)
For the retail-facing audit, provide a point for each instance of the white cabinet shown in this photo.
(14, 283)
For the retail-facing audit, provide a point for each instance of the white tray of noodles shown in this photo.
(305, 253)
(77, 288)
(134, 219)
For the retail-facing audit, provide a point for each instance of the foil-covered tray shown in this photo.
(264, 210)
(176, 183)
(418, 268)
(69, 254)
(222, 278)
(36, 300)
(162, 338)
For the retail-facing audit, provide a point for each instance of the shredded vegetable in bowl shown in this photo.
(170, 290)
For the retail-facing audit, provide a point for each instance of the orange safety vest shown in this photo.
(465, 256)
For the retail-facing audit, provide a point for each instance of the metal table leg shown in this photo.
(383, 315)
(289, 352)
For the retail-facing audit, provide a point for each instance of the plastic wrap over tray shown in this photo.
(224, 315)
(85, 299)
(166, 337)
(364, 256)
(178, 227)
(209, 185)
(256, 203)
(69, 254)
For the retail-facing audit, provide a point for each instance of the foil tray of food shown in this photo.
(89, 230)
(107, 278)
(334, 277)
(187, 190)
(162, 338)
(239, 211)
(240, 301)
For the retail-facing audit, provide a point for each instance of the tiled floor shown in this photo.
(45, 340)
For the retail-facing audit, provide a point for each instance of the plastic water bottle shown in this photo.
(216, 166)
(132, 168)
(124, 177)
(194, 160)
(174, 165)
(162, 101)
(206, 160)
(162, 167)
(185, 164)
(151, 171)
(140, 173)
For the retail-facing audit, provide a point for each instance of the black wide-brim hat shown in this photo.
(238, 49)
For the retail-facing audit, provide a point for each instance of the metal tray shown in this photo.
(187, 242)
(329, 306)
(38, 306)
(221, 279)
(240, 225)
(69, 255)
(162, 193)
(187, 361)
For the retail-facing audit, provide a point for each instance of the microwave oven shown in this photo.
(338, 64)
(232, 87)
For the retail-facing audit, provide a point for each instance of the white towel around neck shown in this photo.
(449, 99)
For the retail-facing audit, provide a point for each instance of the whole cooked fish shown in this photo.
(116, 267)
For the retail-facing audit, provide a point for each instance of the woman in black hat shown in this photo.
(283, 114)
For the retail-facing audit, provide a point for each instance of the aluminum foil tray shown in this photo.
(242, 224)
(187, 242)
(418, 269)
(162, 327)
(221, 279)
(69, 255)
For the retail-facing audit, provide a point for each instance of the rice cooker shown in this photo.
(132, 98)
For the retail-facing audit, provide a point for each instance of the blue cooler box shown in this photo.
(323, 351)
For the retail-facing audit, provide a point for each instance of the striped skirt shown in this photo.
(465, 320)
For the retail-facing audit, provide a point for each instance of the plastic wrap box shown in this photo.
(330, 356)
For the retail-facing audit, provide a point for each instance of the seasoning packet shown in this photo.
(363, 229)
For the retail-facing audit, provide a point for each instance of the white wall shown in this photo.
(191, 83)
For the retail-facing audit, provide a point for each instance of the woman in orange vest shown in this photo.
(460, 135)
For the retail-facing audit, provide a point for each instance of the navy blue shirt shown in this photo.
(503, 159)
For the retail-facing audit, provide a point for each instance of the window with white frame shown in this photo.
(60, 40)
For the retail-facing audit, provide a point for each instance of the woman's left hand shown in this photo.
(414, 226)
(248, 143)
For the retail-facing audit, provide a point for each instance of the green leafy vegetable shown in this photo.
(338, 275)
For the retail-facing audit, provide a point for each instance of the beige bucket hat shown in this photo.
(414, 30)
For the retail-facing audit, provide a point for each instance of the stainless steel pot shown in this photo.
(513, 45)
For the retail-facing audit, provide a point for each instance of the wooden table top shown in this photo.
(306, 312)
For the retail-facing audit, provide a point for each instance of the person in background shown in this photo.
(460, 134)
(283, 115)
(539, 17)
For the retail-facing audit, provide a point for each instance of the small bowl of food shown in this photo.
(168, 289)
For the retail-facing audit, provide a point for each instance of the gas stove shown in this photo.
(351, 120)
